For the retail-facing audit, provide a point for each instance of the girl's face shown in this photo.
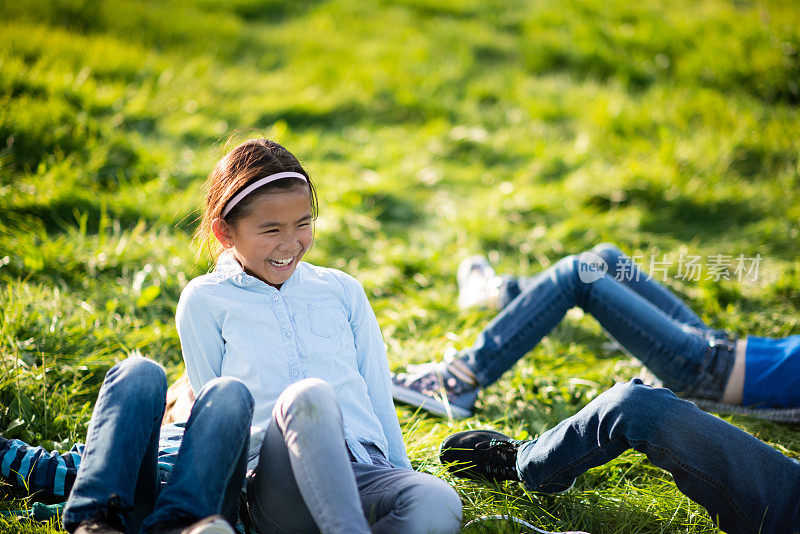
(272, 239)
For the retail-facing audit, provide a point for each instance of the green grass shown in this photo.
(522, 129)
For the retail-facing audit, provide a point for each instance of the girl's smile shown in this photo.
(271, 240)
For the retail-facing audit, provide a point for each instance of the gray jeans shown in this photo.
(306, 480)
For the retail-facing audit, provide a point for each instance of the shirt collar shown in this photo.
(227, 264)
(228, 268)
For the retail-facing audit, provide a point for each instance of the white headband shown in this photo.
(238, 197)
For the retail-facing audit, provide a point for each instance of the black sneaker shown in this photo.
(480, 455)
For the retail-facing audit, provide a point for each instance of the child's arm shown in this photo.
(201, 338)
(37, 471)
(374, 367)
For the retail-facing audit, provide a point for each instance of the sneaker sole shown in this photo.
(408, 396)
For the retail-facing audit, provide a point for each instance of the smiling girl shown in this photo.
(326, 450)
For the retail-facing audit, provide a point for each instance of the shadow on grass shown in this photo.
(382, 109)
(750, 160)
(60, 214)
(271, 11)
(688, 219)
(664, 212)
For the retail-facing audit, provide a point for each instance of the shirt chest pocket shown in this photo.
(326, 318)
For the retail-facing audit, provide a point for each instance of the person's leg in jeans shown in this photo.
(118, 479)
(746, 485)
(623, 269)
(209, 471)
(645, 318)
(305, 482)
(677, 353)
(118, 476)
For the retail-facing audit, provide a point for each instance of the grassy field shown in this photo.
(522, 129)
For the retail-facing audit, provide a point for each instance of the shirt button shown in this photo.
(275, 297)
(287, 334)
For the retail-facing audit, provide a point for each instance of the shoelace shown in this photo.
(498, 457)
(432, 378)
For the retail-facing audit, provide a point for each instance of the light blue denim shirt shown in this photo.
(319, 324)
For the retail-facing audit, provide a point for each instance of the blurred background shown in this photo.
(435, 129)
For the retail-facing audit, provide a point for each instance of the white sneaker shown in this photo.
(215, 524)
(478, 285)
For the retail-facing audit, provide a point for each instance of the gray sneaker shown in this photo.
(435, 389)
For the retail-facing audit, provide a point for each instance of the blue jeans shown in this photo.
(648, 321)
(118, 474)
(746, 485)
(307, 482)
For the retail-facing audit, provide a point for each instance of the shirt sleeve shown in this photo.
(34, 470)
(201, 339)
(374, 367)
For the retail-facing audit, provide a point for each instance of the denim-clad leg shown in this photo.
(678, 353)
(119, 469)
(621, 268)
(120, 458)
(305, 481)
(746, 485)
(208, 474)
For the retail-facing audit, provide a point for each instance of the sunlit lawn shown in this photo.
(525, 130)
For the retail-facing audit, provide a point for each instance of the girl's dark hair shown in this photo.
(247, 162)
